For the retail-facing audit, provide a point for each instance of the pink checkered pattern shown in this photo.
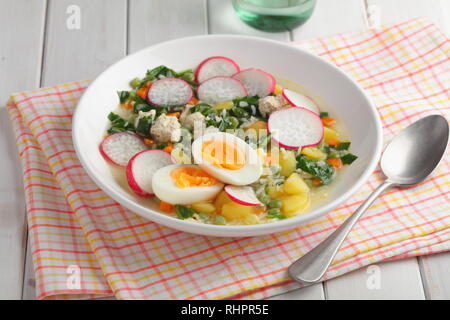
(405, 68)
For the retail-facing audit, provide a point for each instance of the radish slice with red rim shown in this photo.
(299, 100)
(257, 82)
(119, 148)
(142, 166)
(244, 195)
(215, 66)
(219, 89)
(294, 128)
(170, 92)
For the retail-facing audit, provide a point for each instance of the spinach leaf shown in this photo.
(119, 124)
(318, 169)
(188, 76)
(141, 105)
(144, 125)
(348, 158)
(184, 212)
(239, 112)
(247, 101)
(343, 145)
(156, 73)
(123, 96)
(203, 108)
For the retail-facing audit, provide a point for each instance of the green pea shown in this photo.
(204, 216)
(274, 212)
(233, 122)
(220, 220)
(265, 199)
(275, 204)
(136, 82)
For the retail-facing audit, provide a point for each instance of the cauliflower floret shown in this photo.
(269, 104)
(192, 120)
(166, 129)
(142, 114)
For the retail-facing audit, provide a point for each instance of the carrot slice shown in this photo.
(143, 92)
(328, 121)
(166, 207)
(127, 105)
(316, 182)
(149, 141)
(174, 114)
(335, 162)
(193, 101)
(333, 142)
(168, 148)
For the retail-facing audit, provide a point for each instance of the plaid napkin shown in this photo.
(84, 244)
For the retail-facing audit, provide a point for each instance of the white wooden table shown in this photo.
(40, 46)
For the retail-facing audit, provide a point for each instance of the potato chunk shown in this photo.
(314, 153)
(294, 203)
(295, 184)
(330, 134)
(288, 163)
(221, 199)
(204, 207)
(235, 211)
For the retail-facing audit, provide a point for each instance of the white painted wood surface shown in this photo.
(110, 29)
(21, 36)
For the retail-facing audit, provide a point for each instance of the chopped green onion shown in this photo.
(345, 145)
(220, 220)
(184, 212)
(348, 158)
(324, 114)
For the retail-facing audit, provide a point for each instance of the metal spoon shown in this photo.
(409, 159)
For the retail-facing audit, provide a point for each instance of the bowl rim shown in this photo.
(232, 230)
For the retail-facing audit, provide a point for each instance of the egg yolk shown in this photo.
(222, 154)
(186, 177)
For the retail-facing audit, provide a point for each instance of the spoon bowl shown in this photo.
(414, 153)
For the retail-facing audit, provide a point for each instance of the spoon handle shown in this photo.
(312, 266)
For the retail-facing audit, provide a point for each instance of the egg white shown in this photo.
(165, 189)
(249, 173)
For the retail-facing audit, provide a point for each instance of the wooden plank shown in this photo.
(392, 11)
(314, 292)
(29, 284)
(331, 17)
(223, 19)
(80, 53)
(435, 270)
(390, 280)
(73, 53)
(20, 68)
(151, 22)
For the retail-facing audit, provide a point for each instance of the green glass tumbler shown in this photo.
(274, 15)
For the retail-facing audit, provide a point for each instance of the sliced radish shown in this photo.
(142, 166)
(219, 89)
(119, 148)
(170, 92)
(299, 100)
(215, 66)
(295, 127)
(257, 82)
(244, 195)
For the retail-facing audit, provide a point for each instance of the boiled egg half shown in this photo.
(227, 158)
(184, 184)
